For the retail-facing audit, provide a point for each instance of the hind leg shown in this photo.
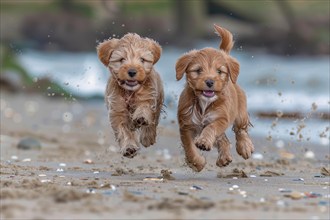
(244, 145)
(223, 145)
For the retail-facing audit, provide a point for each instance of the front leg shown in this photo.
(223, 145)
(125, 136)
(193, 158)
(142, 116)
(148, 135)
(207, 138)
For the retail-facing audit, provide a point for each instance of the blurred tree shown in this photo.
(66, 5)
(190, 20)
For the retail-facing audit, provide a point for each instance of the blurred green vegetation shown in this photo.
(9, 62)
(159, 7)
(79, 7)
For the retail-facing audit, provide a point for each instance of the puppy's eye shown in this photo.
(142, 60)
(199, 70)
(122, 60)
(219, 71)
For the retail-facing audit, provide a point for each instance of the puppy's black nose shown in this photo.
(131, 72)
(209, 83)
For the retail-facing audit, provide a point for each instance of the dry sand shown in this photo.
(78, 173)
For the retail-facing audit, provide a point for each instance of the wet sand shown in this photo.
(78, 173)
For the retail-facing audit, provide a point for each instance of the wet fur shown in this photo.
(133, 111)
(203, 120)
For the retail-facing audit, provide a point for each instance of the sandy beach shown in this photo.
(77, 172)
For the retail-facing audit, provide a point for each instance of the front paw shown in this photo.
(139, 122)
(197, 163)
(245, 148)
(147, 137)
(203, 144)
(224, 159)
(130, 151)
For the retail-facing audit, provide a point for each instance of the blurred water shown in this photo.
(272, 83)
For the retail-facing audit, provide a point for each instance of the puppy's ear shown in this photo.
(233, 67)
(227, 42)
(105, 49)
(182, 64)
(155, 48)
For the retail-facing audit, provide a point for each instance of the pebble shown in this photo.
(284, 190)
(319, 176)
(59, 170)
(242, 192)
(62, 164)
(323, 203)
(281, 203)
(45, 181)
(287, 155)
(235, 186)
(42, 175)
(309, 155)
(253, 176)
(88, 161)
(14, 157)
(153, 179)
(26, 160)
(90, 190)
(29, 144)
(295, 195)
(299, 179)
(96, 172)
(107, 185)
(257, 156)
(194, 187)
(313, 195)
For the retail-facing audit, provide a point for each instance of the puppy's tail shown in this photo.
(227, 42)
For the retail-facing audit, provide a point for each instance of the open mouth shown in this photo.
(131, 82)
(208, 93)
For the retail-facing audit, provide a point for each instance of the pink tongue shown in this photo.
(208, 93)
(131, 82)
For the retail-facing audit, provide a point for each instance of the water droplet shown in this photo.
(67, 116)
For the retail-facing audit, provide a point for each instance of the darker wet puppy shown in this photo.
(134, 93)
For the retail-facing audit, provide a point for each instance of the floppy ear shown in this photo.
(233, 67)
(182, 64)
(105, 49)
(155, 48)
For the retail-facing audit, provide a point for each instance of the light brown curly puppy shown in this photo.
(134, 93)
